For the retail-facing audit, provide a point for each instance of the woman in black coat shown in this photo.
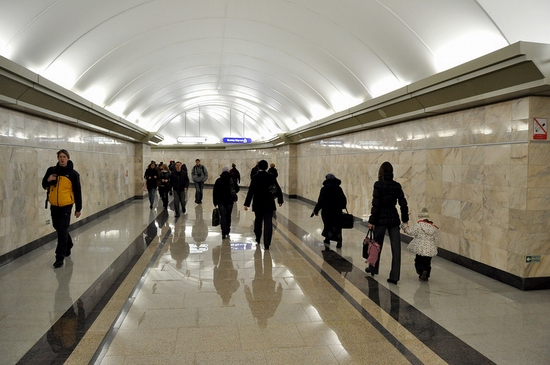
(151, 176)
(384, 217)
(331, 202)
(223, 199)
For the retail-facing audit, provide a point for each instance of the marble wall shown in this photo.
(483, 179)
(28, 146)
(214, 160)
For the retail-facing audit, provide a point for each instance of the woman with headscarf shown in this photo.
(384, 217)
(331, 202)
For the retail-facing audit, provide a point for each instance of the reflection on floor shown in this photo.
(145, 287)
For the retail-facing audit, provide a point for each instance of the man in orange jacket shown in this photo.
(63, 185)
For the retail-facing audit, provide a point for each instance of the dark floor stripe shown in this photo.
(389, 337)
(109, 337)
(50, 349)
(446, 345)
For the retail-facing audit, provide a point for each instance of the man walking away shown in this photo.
(263, 203)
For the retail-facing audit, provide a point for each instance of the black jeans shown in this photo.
(395, 242)
(61, 219)
(423, 263)
(264, 218)
(225, 217)
(163, 192)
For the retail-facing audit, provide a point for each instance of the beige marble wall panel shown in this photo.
(496, 255)
(471, 212)
(516, 242)
(451, 191)
(472, 193)
(214, 160)
(28, 146)
(471, 231)
(497, 175)
(538, 269)
(517, 198)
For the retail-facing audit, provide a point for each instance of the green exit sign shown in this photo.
(535, 258)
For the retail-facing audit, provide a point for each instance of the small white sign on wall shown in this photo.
(540, 129)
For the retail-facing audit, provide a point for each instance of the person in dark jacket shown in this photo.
(63, 184)
(179, 180)
(235, 174)
(331, 202)
(273, 171)
(199, 175)
(263, 203)
(151, 176)
(223, 199)
(254, 171)
(384, 217)
(164, 187)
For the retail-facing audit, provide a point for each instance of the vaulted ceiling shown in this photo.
(252, 68)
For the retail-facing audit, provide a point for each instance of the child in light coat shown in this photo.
(424, 243)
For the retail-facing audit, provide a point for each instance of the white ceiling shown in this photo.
(252, 68)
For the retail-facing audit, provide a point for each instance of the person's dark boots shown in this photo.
(58, 262)
(70, 245)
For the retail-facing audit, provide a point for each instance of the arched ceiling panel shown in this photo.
(275, 65)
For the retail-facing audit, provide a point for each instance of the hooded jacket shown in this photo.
(222, 190)
(331, 199)
(425, 240)
(66, 189)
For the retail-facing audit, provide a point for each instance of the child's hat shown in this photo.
(423, 214)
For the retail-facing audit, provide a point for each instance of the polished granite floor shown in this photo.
(144, 287)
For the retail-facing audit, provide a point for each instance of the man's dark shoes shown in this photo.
(391, 281)
(57, 264)
(69, 250)
(339, 245)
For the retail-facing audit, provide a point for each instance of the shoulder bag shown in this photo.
(347, 220)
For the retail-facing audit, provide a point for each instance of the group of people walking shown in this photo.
(262, 193)
(384, 217)
(62, 183)
(174, 179)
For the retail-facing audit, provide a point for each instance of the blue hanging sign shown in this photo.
(237, 140)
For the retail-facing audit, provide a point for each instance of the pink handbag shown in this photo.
(371, 249)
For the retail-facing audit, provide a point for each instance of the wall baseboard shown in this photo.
(33, 245)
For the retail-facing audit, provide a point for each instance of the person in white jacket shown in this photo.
(424, 243)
